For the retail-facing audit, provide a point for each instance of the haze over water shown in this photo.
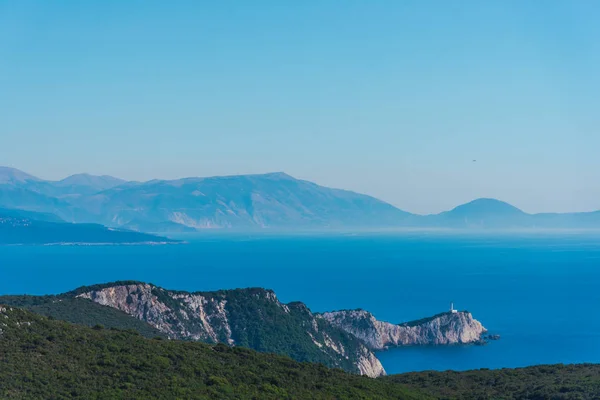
(537, 290)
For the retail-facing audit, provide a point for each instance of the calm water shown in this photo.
(540, 292)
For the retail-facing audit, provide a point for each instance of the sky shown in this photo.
(395, 99)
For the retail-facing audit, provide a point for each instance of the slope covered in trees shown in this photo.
(539, 382)
(48, 359)
(81, 311)
(42, 358)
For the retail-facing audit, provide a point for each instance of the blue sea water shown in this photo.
(540, 292)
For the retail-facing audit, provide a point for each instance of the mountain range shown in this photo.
(274, 200)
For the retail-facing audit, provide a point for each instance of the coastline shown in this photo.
(74, 244)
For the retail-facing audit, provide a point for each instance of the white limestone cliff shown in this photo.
(442, 329)
(204, 317)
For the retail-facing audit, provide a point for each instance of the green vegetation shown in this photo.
(42, 358)
(554, 382)
(424, 320)
(48, 359)
(254, 320)
(263, 325)
(81, 311)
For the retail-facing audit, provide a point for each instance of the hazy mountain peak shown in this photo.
(13, 175)
(483, 213)
(487, 205)
(99, 182)
(278, 175)
(267, 175)
(271, 176)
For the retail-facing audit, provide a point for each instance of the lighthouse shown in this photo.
(452, 310)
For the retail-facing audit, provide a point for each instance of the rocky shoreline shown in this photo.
(346, 339)
(442, 329)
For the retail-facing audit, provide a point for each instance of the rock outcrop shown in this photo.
(190, 316)
(442, 329)
(256, 319)
(252, 318)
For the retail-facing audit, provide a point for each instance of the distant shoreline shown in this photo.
(97, 244)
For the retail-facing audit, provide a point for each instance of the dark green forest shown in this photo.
(256, 322)
(44, 358)
(80, 311)
(538, 382)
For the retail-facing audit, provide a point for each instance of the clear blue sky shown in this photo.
(390, 98)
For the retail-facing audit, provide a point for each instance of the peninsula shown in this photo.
(253, 318)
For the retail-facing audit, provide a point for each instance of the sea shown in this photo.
(540, 291)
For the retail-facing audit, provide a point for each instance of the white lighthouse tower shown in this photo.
(452, 310)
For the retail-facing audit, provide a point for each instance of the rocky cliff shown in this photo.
(442, 329)
(252, 318)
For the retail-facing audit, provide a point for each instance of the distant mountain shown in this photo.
(13, 213)
(248, 201)
(483, 213)
(22, 227)
(101, 182)
(13, 176)
(23, 191)
(21, 197)
(272, 201)
(86, 184)
(73, 186)
(496, 214)
(484, 208)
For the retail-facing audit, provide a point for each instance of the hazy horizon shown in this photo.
(395, 99)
